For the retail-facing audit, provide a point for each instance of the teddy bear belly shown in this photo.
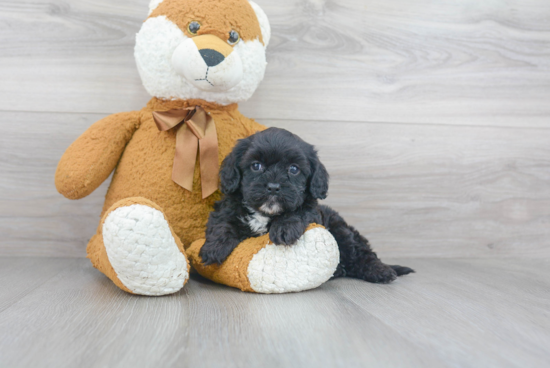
(145, 170)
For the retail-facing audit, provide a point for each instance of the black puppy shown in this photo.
(272, 181)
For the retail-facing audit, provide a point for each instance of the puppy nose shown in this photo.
(273, 188)
(211, 57)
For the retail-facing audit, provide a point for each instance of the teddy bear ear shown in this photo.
(264, 22)
(153, 5)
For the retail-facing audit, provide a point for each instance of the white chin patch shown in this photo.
(188, 62)
(256, 222)
(271, 209)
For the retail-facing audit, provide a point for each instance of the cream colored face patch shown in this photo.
(210, 42)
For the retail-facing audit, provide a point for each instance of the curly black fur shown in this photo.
(272, 182)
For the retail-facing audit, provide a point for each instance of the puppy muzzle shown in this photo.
(271, 207)
(208, 63)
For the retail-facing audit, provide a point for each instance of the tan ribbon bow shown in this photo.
(196, 131)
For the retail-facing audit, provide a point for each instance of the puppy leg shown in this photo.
(401, 270)
(286, 230)
(217, 250)
(357, 259)
(223, 234)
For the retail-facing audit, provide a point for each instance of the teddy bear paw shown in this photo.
(302, 266)
(143, 251)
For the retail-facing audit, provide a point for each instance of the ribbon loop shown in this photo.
(197, 134)
(167, 120)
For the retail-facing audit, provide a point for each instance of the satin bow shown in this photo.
(196, 131)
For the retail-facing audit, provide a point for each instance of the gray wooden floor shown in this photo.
(58, 312)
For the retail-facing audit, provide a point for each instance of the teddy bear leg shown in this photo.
(136, 248)
(257, 265)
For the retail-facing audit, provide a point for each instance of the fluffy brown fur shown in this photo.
(216, 17)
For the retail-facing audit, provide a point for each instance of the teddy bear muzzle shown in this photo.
(208, 63)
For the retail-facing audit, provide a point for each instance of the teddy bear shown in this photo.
(197, 59)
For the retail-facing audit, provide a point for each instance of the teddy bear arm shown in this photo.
(92, 157)
(257, 265)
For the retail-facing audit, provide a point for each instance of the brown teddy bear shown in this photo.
(198, 58)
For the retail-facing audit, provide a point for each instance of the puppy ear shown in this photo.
(230, 173)
(318, 185)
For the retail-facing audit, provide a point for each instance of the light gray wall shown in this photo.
(433, 117)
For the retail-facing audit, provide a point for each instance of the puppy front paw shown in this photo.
(212, 253)
(285, 233)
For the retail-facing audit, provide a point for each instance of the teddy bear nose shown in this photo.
(273, 188)
(211, 57)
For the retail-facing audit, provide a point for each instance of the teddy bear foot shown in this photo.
(259, 266)
(303, 266)
(143, 250)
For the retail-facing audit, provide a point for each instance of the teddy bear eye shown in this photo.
(256, 166)
(194, 27)
(294, 170)
(234, 37)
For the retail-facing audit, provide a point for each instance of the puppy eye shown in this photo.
(256, 166)
(294, 170)
(194, 27)
(234, 38)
